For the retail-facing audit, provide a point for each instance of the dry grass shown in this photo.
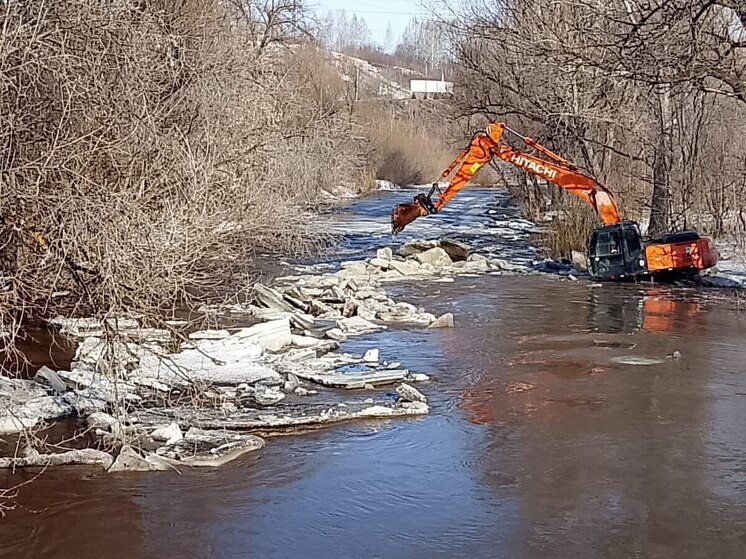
(571, 232)
(407, 147)
(151, 150)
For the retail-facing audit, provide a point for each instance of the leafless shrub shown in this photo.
(151, 150)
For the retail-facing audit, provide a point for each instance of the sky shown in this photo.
(377, 13)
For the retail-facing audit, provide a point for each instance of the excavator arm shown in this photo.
(486, 145)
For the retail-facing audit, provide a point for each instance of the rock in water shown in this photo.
(171, 434)
(445, 321)
(86, 456)
(436, 257)
(209, 335)
(272, 335)
(410, 394)
(305, 341)
(410, 268)
(86, 401)
(336, 334)
(553, 266)
(381, 263)
(353, 269)
(15, 417)
(371, 356)
(47, 376)
(356, 325)
(415, 247)
(268, 396)
(384, 253)
(509, 266)
(366, 312)
(100, 420)
(210, 448)
(477, 265)
(579, 260)
(130, 461)
(400, 312)
(406, 313)
(291, 383)
(271, 298)
(456, 250)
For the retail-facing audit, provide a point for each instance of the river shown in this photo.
(568, 420)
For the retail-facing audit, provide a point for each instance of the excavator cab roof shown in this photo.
(679, 237)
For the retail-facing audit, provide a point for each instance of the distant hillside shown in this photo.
(372, 80)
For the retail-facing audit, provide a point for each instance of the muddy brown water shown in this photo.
(38, 347)
(561, 426)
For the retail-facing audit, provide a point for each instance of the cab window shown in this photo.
(608, 244)
(633, 241)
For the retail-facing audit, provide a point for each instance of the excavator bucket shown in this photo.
(404, 214)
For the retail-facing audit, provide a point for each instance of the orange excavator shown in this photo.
(616, 250)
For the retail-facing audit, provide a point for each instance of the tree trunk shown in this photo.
(660, 203)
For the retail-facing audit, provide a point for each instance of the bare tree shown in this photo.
(388, 41)
(610, 84)
(426, 43)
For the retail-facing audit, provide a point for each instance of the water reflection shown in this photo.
(612, 459)
(611, 313)
(35, 348)
(625, 310)
(587, 333)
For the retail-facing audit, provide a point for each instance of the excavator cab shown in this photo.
(617, 252)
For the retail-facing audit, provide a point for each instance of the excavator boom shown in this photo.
(486, 145)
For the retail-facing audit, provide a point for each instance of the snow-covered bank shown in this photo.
(275, 374)
(730, 271)
(144, 400)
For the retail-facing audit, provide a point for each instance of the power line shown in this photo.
(378, 12)
(366, 10)
(377, 5)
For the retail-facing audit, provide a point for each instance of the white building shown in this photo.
(430, 89)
